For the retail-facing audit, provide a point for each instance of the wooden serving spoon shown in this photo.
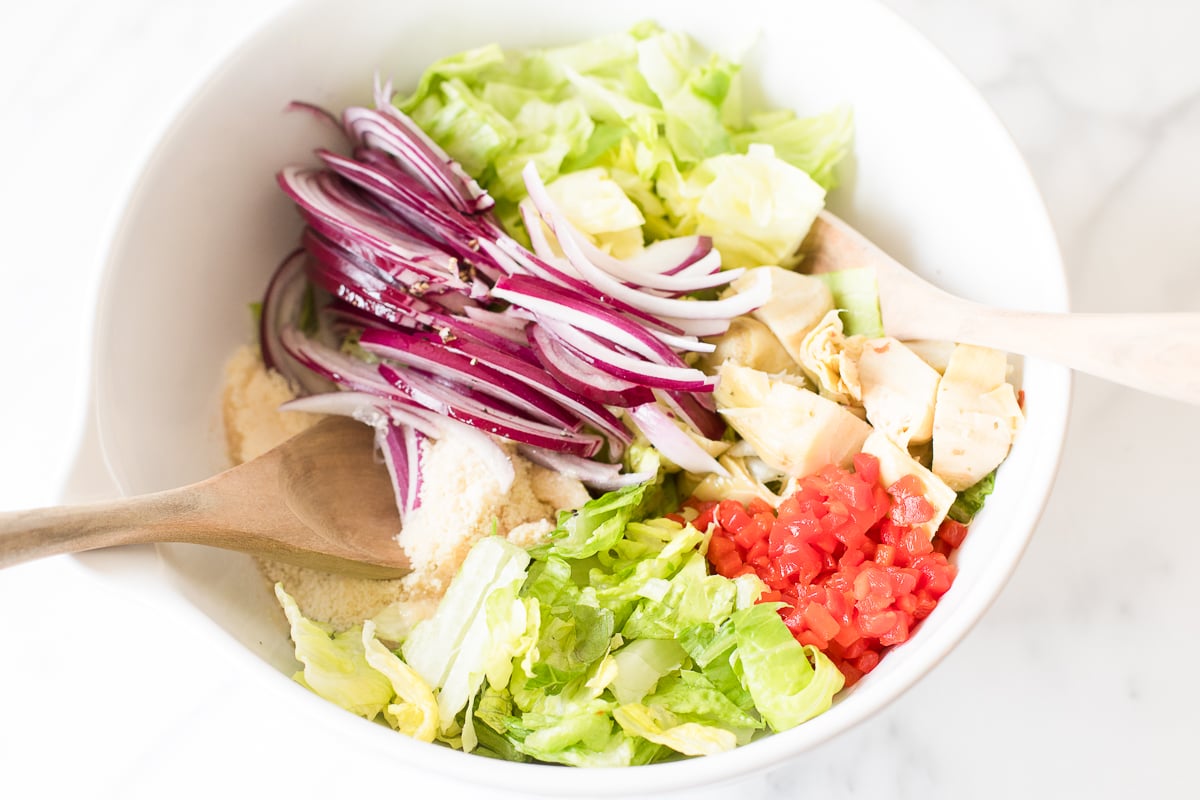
(1157, 353)
(320, 500)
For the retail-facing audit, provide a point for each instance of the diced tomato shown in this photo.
(866, 466)
(951, 532)
(849, 559)
(759, 506)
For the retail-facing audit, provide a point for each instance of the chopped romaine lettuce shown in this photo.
(787, 688)
(971, 499)
(595, 527)
(660, 726)
(335, 665)
(856, 296)
(454, 649)
(415, 710)
(614, 647)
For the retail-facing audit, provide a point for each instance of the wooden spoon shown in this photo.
(319, 500)
(1157, 353)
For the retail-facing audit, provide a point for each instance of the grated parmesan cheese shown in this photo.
(461, 502)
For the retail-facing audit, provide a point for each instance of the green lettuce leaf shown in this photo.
(814, 144)
(594, 527)
(691, 696)
(454, 649)
(756, 207)
(335, 665)
(856, 296)
(414, 711)
(971, 499)
(660, 726)
(650, 106)
(641, 664)
(788, 688)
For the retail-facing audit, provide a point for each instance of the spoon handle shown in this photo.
(41, 532)
(1156, 353)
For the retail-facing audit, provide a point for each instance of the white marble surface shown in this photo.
(1077, 683)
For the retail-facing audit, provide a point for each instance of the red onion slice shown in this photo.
(627, 367)
(580, 376)
(568, 239)
(604, 477)
(488, 418)
(466, 370)
(548, 301)
(673, 443)
(592, 412)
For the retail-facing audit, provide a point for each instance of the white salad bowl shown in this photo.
(934, 179)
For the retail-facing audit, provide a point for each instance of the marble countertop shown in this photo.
(1068, 687)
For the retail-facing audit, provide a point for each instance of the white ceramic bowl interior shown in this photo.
(935, 180)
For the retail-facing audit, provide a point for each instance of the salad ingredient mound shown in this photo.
(662, 492)
(609, 645)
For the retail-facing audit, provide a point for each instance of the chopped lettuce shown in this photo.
(596, 206)
(335, 665)
(594, 527)
(756, 207)
(656, 115)
(614, 647)
(814, 144)
(660, 726)
(856, 296)
(971, 499)
(456, 647)
(787, 688)
(415, 710)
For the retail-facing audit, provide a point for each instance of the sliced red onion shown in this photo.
(672, 442)
(530, 264)
(627, 367)
(585, 407)
(672, 256)
(704, 273)
(537, 237)
(702, 328)
(340, 218)
(548, 301)
(502, 325)
(398, 443)
(337, 366)
(696, 409)
(488, 417)
(580, 376)
(397, 192)
(568, 239)
(347, 278)
(605, 477)
(467, 370)
(391, 130)
(281, 305)
(401, 449)
(317, 112)
(341, 317)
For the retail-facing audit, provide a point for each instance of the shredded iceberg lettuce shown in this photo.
(614, 646)
(651, 112)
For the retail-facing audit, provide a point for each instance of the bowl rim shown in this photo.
(446, 763)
